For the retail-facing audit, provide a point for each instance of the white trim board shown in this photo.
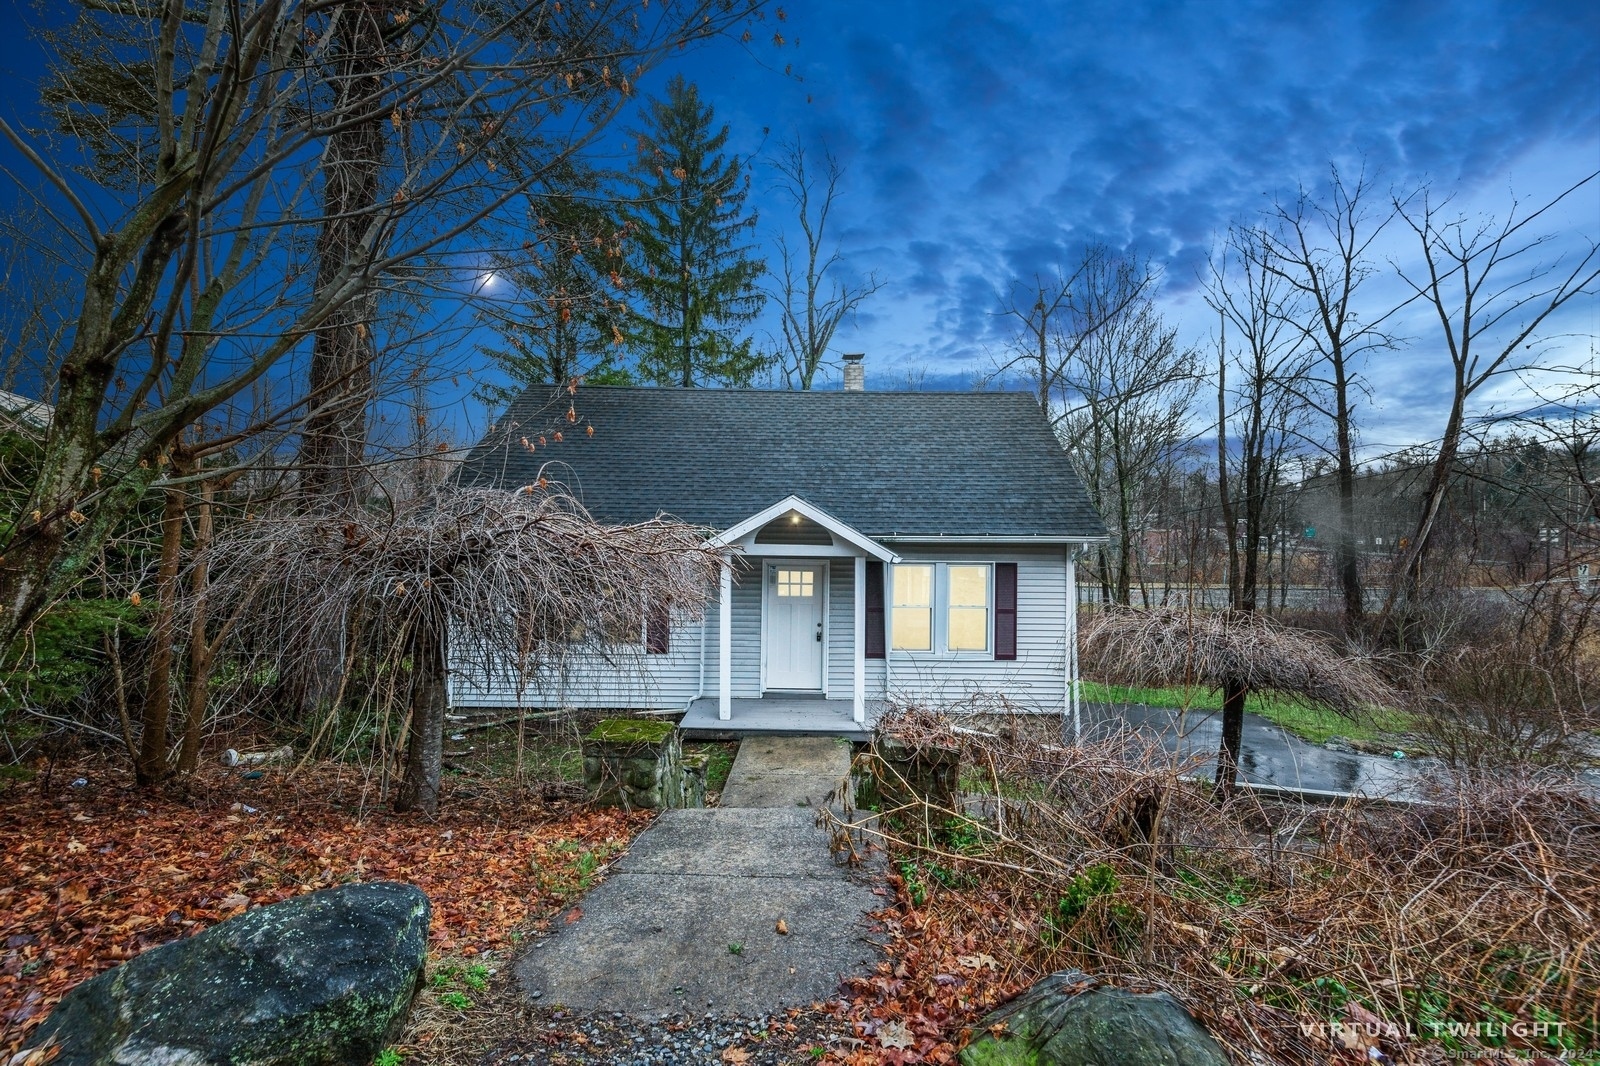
(838, 529)
(988, 539)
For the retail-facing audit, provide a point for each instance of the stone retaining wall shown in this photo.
(639, 763)
(915, 787)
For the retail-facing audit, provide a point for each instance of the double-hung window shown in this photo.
(944, 607)
(967, 607)
(913, 607)
(958, 609)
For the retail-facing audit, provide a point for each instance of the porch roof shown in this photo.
(852, 538)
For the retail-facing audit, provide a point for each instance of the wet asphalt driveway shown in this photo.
(1270, 754)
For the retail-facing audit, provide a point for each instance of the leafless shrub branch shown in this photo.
(1265, 918)
(1174, 646)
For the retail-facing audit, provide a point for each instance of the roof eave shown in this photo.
(990, 538)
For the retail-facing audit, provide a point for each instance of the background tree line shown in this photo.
(1231, 474)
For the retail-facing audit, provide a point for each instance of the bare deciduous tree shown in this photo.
(1125, 385)
(1491, 301)
(1260, 413)
(1043, 347)
(1322, 248)
(813, 302)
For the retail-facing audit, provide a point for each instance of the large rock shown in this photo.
(1064, 1020)
(322, 979)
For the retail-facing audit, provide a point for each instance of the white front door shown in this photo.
(794, 626)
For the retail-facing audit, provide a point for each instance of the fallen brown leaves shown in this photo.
(921, 1004)
(94, 875)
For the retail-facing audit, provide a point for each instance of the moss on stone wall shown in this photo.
(631, 731)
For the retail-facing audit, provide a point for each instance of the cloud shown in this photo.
(996, 140)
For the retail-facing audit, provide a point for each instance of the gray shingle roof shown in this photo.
(886, 463)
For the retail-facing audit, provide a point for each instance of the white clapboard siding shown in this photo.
(746, 636)
(1036, 680)
(842, 630)
(624, 677)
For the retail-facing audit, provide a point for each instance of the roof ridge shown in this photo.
(747, 390)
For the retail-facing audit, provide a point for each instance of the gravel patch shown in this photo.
(559, 1037)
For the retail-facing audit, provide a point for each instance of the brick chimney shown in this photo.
(855, 377)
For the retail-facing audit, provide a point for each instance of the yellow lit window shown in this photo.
(913, 607)
(796, 582)
(967, 621)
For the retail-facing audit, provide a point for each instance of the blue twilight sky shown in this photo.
(990, 140)
(993, 140)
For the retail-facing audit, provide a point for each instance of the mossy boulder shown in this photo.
(1065, 1020)
(326, 978)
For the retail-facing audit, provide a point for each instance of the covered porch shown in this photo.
(800, 648)
(782, 716)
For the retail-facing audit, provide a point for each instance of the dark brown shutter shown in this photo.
(875, 649)
(658, 629)
(1005, 610)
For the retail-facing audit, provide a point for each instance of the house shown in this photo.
(20, 414)
(909, 545)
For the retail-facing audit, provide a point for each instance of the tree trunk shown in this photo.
(1346, 561)
(151, 766)
(36, 545)
(1125, 569)
(419, 791)
(334, 446)
(1233, 697)
(1408, 581)
(686, 342)
(198, 694)
(1243, 567)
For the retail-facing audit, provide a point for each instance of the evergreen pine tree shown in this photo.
(554, 303)
(692, 274)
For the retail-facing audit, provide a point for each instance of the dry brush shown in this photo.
(515, 583)
(1271, 921)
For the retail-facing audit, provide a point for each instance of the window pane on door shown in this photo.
(967, 623)
(796, 582)
(913, 607)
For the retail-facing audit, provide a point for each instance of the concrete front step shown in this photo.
(774, 771)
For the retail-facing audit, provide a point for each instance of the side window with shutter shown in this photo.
(658, 629)
(875, 643)
(1005, 611)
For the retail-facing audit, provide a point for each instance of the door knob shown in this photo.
(819, 632)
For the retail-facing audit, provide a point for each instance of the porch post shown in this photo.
(888, 625)
(725, 645)
(859, 708)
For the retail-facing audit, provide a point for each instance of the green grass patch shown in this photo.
(1308, 723)
(719, 761)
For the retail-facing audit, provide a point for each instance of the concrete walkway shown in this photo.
(689, 918)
